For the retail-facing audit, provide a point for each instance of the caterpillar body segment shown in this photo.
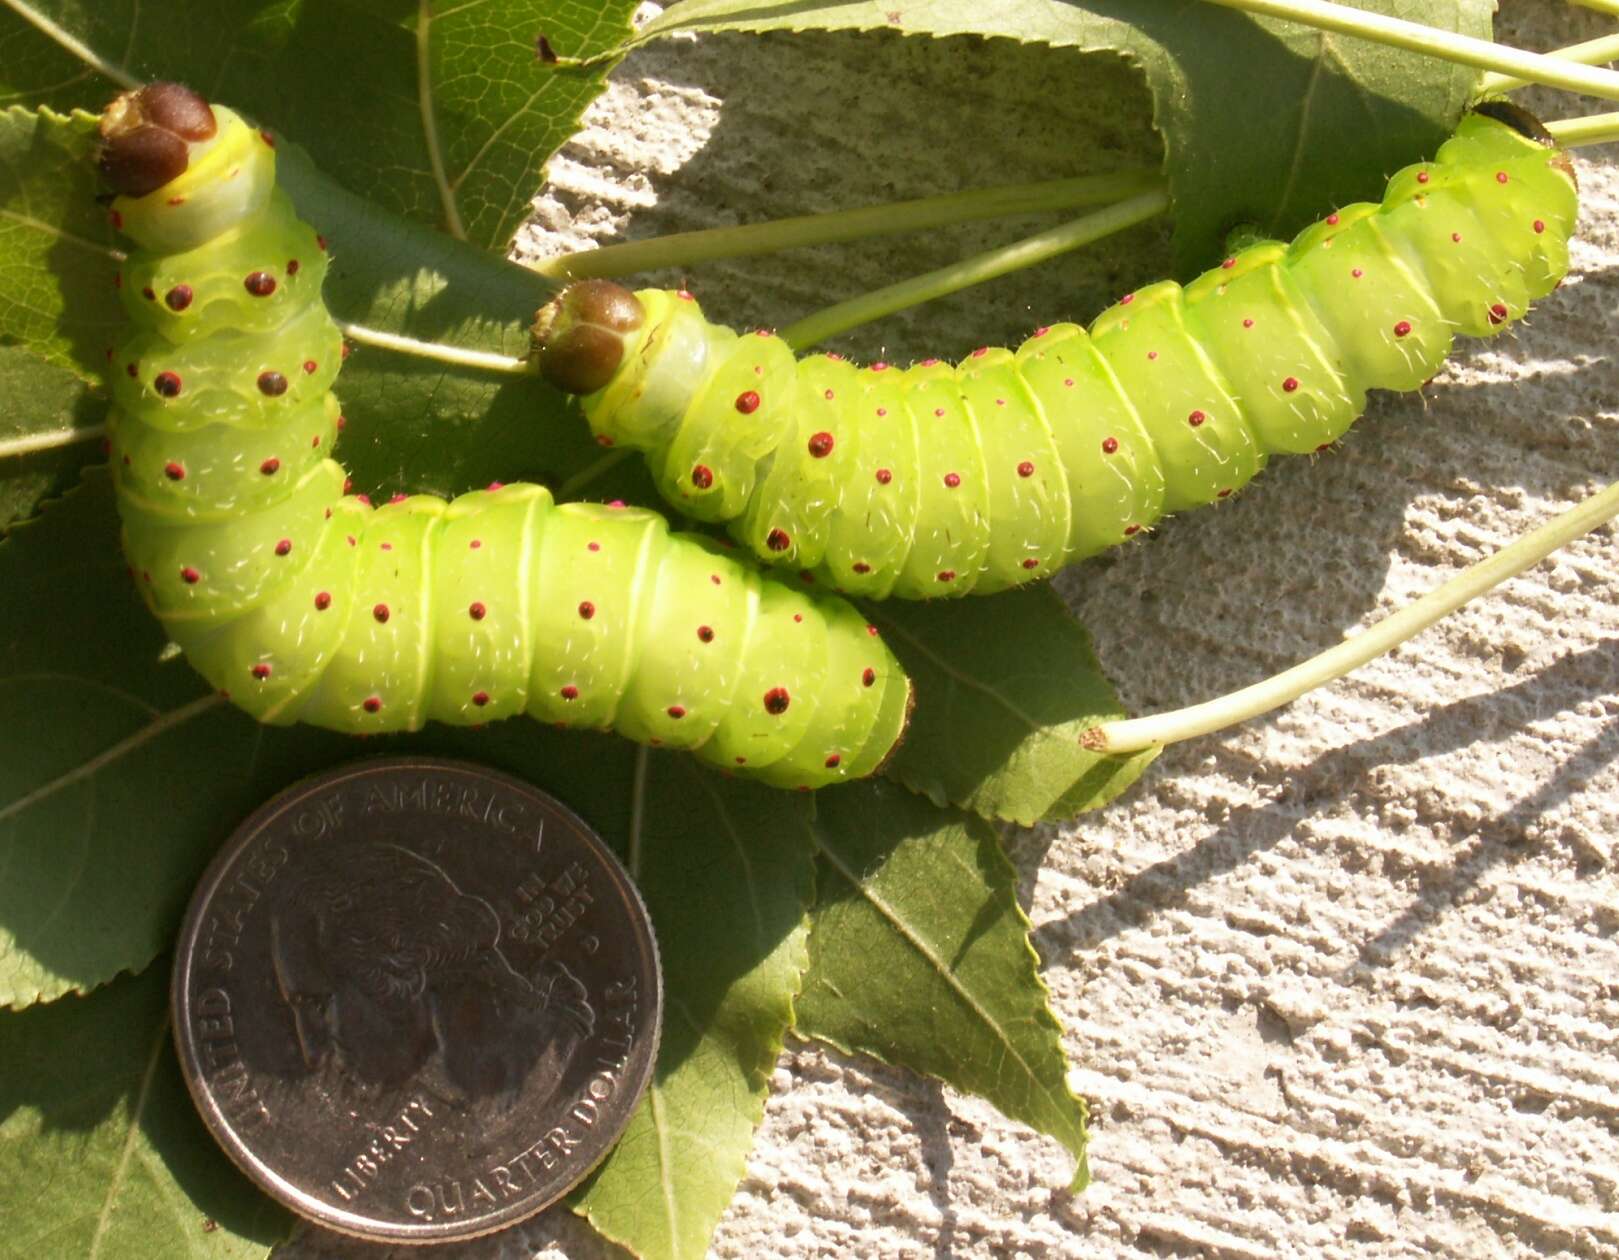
(303, 602)
(944, 479)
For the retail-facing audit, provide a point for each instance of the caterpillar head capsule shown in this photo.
(579, 338)
(146, 133)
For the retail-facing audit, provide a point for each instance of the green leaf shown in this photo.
(1319, 120)
(120, 775)
(105, 1156)
(57, 252)
(1005, 685)
(48, 431)
(443, 112)
(920, 955)
(727, 872)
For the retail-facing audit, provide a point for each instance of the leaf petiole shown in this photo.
(1593, 52)
(29, 443)
(1575, 133)
(1135, 734)
(975, 270)
(684, 249)
(1431, 41)
(459, 356)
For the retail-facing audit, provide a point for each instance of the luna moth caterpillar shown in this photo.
(943, 479)
(305, 603)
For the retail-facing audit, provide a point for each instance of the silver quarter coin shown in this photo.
(416, 1000)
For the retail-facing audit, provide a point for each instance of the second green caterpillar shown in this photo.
(944, 479)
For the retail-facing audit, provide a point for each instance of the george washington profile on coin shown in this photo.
(393, 977)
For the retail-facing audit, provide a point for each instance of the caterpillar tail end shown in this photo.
(580, 337)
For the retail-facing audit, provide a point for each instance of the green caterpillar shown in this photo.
(942, 480)
(304, 603)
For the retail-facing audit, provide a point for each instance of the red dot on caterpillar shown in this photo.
(190, 576)
(270, 466)
(676, 711)
(292, 266)
(747, 402)
(778, 540)
(310, 367)
(174, 471)
(148, 294)
(480, 698)
(593, 546)
(1501, 177)
(776, 701)
(167, 384)
(1031, 563)
(947, 575)
(1539, 226)
(1109, 445)
(1224, 494)
(569, 692)
(833, 761)
(1289, 384)
(1403, 328)
(1196, 418)
(380, 612)
(868, 676)
(261, 671)
(952, 480)
(1228, 264)
(476, 610)
(323, 601)
(587, 610)
(820, 445)
(860, 566)
(884, 476)
(882, 411)
(373, 704)
(284, 547)
(1498, 313)
(178, 298)
(259, 284)
(272, 384)
(1422, 177)
(1025, 469)
(1131, 530)
(702, 476)
(705, 634)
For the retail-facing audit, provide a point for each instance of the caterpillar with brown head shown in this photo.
(305, 603)
(943, 479)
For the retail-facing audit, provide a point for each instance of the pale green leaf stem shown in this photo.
(988, 265)
(1593, 52)
(684, 249)
(1134, 734)
(1445, 45)
(1576, 133)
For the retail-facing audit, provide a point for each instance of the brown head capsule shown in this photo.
(145, 136)
(175, 107)
(579, 337)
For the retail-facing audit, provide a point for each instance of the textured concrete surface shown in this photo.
(1342, 982)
